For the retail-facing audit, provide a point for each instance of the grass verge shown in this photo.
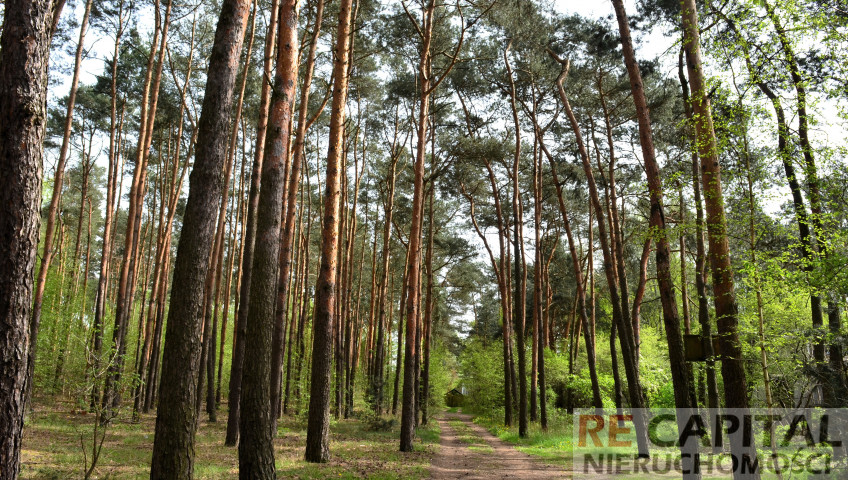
(553, 445)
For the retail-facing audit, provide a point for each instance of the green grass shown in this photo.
(475, 442)
(52, 449)
(481, 448)
(429, 434)
(553, 445)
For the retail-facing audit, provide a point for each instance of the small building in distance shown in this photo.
(454, 398)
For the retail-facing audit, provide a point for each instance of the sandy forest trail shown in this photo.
(469, 451)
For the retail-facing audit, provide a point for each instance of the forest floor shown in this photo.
(57, 444)
(469, 451)
(58, 440)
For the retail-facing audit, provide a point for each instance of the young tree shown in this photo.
(519, 295)
(50, 229)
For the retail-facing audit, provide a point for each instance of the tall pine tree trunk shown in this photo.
(318, 426)
(597, 401)
(240, 330)
(625, 328)
(700, 256)
(217, 258)
(428, 311)
(24, 53)
(519, 297)
(412, 289)
(683, 393)
(176, 420)
(256, 426)
(538, 338)
(288, 230)
(732, 367)
(380, 351)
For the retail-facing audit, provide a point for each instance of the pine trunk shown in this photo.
(732, 367)
(318, 426)
(24, 53)
(240, 331)
(412, 289)
(256, 426)
(625, 328)
(176, 420)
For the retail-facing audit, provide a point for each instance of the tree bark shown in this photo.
(24, 53)
(318, 426)
(288, 230)
(256, 425)
(240, 331)
(732, 368)
(412, 288)
(214, 276)
(176, 420)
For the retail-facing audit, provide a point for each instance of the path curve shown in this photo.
(456, 460)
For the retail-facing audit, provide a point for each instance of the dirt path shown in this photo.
(469, 451)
